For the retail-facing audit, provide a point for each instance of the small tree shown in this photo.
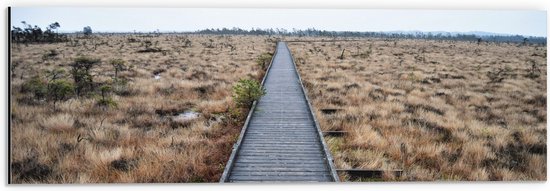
(187, 43)
(81, 74)
(54, 26)
(533, 71)
(59, 90)
(118, 65)
(106, 99)
(51, 36)
(246, 91)
(87, 30)
(37, 33)
(147, 44)
(105, 90)
(525, 41)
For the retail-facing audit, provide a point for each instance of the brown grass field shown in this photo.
(141, 139)
(460, 110)
(463, 111)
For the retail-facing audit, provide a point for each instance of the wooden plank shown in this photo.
(271, 149)
(280, 151)
(290, 161)
(279, 169)
(286, 166)
(318, 155)
(282, 142)
(335, 133)
(274, 173)
(329, 111)
(276, 178)
(278, 158)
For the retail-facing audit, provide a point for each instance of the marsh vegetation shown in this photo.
(462, 110)
(107, 108)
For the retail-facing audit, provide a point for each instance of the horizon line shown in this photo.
(452, 33)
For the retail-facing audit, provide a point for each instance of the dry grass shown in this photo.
(463, 111)
(139, 140)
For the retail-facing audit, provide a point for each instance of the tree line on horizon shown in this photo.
(34, 34)
(312, 32)
(30, 33)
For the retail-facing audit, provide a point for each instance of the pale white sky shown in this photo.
(531, 23)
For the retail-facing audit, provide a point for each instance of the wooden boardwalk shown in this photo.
(281, 140)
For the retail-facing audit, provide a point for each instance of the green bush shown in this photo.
(37, 86)
(245, 92)
(55, 90)
(108, 102)
(59, 90)
(264, 59)
(82, 77)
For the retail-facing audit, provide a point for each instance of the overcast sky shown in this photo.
(531, 23)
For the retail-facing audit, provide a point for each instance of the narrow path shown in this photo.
(281, 140)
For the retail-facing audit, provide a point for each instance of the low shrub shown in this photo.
(246, 91)
(264, 59)
(59, 90)
(36, 85)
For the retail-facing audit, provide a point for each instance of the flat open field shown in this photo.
(462, 111)
(168, 116)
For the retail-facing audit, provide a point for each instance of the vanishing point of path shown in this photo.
(281, 140)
